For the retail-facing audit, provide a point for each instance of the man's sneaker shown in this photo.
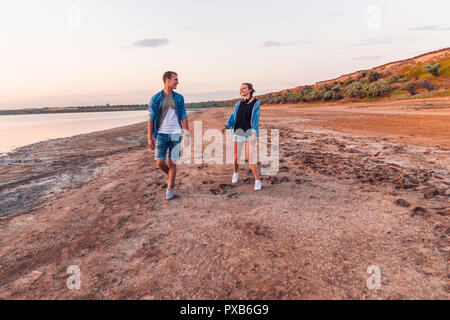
(169, 194)
(258, 185)
(235, 178)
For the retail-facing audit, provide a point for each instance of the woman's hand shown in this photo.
(224, 129)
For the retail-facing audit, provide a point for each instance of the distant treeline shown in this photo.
(107, 107)
(97, 108)
(211, 104)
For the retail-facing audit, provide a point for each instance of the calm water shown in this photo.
(20, 130)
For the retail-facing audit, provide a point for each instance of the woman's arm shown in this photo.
(255, 118)
(231, 121)
(228, 124)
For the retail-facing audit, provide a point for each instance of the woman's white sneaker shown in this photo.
(235, 178)
(258, 185)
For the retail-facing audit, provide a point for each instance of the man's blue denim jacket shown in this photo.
(254, 120)
(154, 109)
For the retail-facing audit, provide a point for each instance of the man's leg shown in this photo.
(161, 152)
(174, 155)
(172, 172)
(163, 166)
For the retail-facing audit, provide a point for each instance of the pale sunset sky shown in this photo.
(87, 52)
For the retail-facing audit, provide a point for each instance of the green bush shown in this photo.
(362, 75)
(433, 69)
(428, 85)
(305, 94)
(374, 76)
(273, 99)
(393, 79)
(354, 89)
(291, 97)
(412, 87)
(313, 95)
(349, 81)
(328, 95)
(318, 95)
(396, 78)
(378, 88)
(337, 88)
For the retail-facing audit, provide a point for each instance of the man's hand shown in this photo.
(151, 143)
(187, 139)
(224, 129)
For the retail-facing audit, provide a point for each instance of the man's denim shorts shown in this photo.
(166, 141)
(241, 139)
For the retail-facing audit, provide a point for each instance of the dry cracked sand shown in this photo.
(357, 186)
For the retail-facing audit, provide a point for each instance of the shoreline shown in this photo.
(59, 164)
(48, 167)
(13, 148)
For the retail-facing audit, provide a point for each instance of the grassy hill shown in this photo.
(427, 75)
(424, 76)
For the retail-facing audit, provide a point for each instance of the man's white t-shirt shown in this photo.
(170, 124)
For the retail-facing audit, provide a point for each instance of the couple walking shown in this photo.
(168, 125)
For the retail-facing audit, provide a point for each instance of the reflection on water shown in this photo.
(20, 130)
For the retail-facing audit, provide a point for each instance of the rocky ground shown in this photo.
(357, 186)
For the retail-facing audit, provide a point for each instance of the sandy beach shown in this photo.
(358, 185)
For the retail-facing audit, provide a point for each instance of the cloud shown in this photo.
(374, 41)
(431, 28)
(271, 43)
(367, 58)
(152, 43)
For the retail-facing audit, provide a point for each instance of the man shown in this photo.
(167, 120)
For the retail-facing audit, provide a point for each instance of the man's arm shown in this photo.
(184, 119)
(186, 133)
(151, 144)
(151, 120)
(185, 124)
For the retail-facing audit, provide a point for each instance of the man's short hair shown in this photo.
(168, 75)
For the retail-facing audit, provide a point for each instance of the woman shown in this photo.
(243, 123)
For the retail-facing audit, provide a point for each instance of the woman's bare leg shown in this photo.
(253, 164)
(237, 155)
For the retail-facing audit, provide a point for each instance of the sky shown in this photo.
(89, 52)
